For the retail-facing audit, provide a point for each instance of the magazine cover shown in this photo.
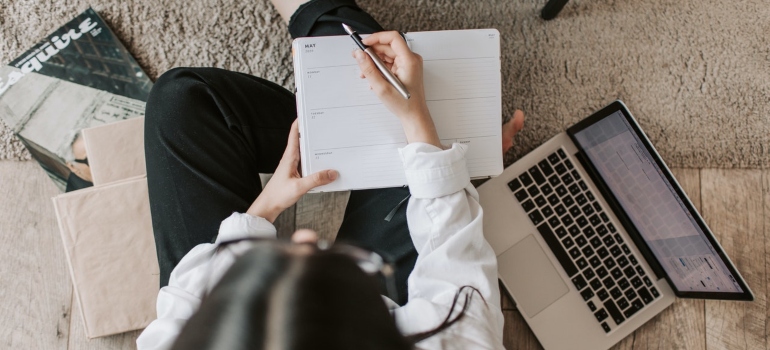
(80, 76)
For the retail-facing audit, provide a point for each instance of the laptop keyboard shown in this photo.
(584, 241)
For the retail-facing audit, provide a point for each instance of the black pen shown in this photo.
(377, 62)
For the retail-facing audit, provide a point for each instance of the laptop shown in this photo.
(594, 236)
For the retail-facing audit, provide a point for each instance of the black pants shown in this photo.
(210, 132)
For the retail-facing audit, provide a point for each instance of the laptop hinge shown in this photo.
(621, 215)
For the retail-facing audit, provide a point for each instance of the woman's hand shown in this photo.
(413, 112)
(287, 184)
(407, 66)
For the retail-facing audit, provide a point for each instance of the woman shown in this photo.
(209, 133)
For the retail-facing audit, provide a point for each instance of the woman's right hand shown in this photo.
(407, 66)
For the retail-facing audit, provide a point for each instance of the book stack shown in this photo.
(76, 101)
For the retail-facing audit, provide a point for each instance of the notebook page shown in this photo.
(344, 126)
(463, 91)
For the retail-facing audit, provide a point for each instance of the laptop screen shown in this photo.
(654, 207)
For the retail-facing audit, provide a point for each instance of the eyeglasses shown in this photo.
(368, 261)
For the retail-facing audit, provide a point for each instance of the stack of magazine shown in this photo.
(76, 100)
(78, 77)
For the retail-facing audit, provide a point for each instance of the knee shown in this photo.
(168, 78)
(169, 112)
(171, 86)
(170, 98)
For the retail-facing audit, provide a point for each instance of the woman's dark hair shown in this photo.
(275, 298)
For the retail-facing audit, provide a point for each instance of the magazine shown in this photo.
(78, 77)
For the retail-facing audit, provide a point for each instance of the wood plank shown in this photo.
(36, 288)
(733, 207)
(516, 333)
(322, 212)
(506, 303)
(766, 231)
(286, 222)
(626, 344)
(681, 326)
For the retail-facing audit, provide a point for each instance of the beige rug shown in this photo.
(696, 73)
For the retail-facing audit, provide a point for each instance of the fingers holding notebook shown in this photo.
(287, 184)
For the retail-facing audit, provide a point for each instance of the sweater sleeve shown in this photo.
(198, 271)
(445, 223)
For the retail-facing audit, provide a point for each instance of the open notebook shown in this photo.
(344, 126)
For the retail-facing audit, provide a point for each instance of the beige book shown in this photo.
(107, 235)
(115, 151)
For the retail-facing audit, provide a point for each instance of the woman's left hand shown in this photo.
(287, 184)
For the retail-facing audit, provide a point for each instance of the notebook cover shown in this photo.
(110, 249)
(115, 151)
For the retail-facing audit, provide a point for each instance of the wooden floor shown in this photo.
(37, 311)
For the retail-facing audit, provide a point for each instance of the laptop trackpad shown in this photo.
(530, 276)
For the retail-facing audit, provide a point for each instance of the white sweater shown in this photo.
(445, 222)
